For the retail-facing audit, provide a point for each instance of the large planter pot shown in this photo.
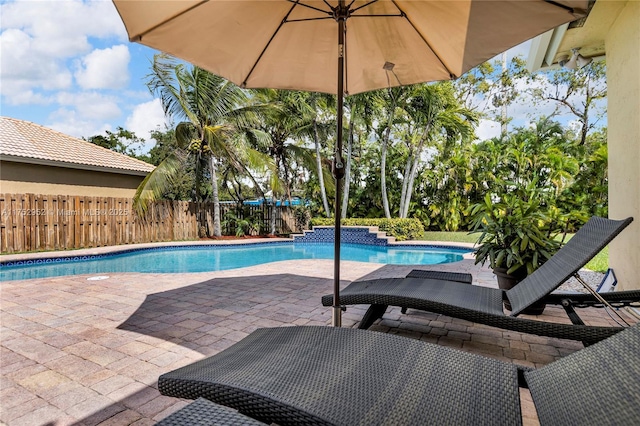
(508, 281)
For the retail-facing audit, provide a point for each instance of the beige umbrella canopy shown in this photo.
(338, 46)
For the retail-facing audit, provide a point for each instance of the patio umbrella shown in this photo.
(370, 44)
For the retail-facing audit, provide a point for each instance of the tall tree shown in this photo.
(286, 120)
(212, 120)
(435, 114)
(182, 186)
(389, 105)
(581, 92)
(361, 109)
(319, 107)
(123, 141)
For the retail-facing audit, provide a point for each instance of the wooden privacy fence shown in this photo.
(31, 222)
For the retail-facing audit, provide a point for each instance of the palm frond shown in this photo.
(155, 183)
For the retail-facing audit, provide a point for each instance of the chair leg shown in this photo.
(373, 313)
(571, 313)
(574, 317)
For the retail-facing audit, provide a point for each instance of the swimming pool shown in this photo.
(220, 257)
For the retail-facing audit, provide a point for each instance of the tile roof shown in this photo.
(19, 138)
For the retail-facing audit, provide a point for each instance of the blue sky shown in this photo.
(68, 65)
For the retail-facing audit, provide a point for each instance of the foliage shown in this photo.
(122, 141)
(600, 262)
(410, 151)
(245, 225)
(302, 215)
(515, 233)
(214, 121)
(401, 229)
(287, 118)
(182, 186)
(456, 237)
(580, 92)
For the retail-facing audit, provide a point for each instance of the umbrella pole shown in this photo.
(338, 166)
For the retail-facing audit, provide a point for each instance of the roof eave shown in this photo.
(88, 167)
(544, 49)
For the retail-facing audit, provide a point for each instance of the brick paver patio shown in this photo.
(89, 352)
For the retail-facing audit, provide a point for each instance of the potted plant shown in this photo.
(516, 238)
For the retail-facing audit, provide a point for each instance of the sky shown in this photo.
(68, 65)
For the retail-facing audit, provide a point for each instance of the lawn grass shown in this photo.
(457, 237)
(600, 263)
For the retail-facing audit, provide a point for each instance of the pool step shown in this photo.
(370, 235)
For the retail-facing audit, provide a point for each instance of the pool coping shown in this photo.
(6, 259)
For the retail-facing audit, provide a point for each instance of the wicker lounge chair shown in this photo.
(202, 412)
(452, 296)
(336, 376)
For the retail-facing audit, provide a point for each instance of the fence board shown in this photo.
(32, 222)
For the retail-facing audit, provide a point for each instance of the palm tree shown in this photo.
(319, 106)
(287, 121)
(433, 114)
(213, 119)
(390, 102)
(360, 108)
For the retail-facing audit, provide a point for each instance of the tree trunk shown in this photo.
(405, 182)
(273, 215)
(383, 159)
(412, 178)
(323, 191)
(347, 174)
(383, 173)
(217, 231)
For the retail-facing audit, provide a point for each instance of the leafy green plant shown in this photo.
(401, 229)
(302, 215)
(243, 226)
(516, 234)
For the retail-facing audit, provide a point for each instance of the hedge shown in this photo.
(401, 229)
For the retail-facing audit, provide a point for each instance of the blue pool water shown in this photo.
(217, 258)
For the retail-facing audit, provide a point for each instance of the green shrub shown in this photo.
(515, 234)
(401, 229)
(302, 215)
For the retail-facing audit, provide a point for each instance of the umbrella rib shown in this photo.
(404, 15)
(284, 21)
(309, 19)
(317, 9)
(138, 37)
(378, 16)
(562, 6)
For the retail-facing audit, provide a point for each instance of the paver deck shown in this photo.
(85, 352)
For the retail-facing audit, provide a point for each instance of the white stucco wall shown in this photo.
(623, 81)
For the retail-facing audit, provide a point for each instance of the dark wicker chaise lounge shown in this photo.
(335, 376)
(453, 296)
(202, 412)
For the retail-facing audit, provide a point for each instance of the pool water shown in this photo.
(217, 258)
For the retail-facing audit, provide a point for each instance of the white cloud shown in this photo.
(38, 37)
(90, 105)
(575, 126)
(68, 121)
(146, 117)
(21, 69)
(105, 68)
(28, 97)
(520, 50)
(62, 28)
(487, 129)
